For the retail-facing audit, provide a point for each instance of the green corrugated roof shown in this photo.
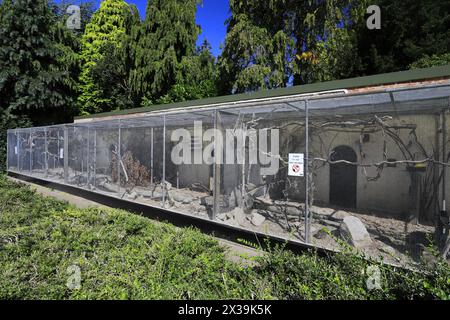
(367, 81)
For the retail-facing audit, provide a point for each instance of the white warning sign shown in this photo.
(296, 164)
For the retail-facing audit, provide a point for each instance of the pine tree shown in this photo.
(33, 83)
(107, 28)
(168, 34)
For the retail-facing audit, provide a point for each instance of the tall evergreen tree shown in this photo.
(107, 28)
(168, 34)
(112, 71)
(274, 43)
(33, 82)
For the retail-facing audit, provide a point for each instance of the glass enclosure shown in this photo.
(366, 170)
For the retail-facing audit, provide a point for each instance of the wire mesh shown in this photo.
(366, 169)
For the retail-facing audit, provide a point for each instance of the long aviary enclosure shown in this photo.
(370, 169)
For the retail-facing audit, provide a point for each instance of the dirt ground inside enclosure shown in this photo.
(395, 241)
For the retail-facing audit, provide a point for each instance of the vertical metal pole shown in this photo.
(215, 189)
(66, 154)
(118, 156)
(243, 158)
(151, 158)
(444, 158)
(18, 150)
(45, 152)
(88, 169)
(8, 145)
(31, 149)
(164, 190)
(307, 216)
(95, 157)
(58, 153)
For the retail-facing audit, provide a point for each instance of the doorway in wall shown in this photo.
(343, 178)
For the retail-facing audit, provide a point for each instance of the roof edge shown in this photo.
(351, 83)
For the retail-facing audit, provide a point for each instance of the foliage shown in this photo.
(167, 66)
(106, 28)
(410, 30)
(125, 256)
(435, 60)
(33, 82)
(275, 43)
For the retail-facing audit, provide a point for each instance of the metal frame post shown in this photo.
(8, 145)
(31, 149)
(18, 150)
(88, 169)
(45, 152)
(118, 155)
(164, 164)
(151, 157)
(66, 154)
(307, 215)
(216, 189)
(95, 157)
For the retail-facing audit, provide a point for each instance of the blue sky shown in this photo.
(211, 17)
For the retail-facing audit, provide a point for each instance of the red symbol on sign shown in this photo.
(296, 168)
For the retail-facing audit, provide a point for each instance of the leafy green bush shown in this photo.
(126, 256)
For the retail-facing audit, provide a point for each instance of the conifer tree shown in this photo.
(167, 35)
(33, 83)
(107, 28)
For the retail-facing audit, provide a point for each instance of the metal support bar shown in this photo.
(88, 169)
(307, 215)
(164, 189)
(31, 149)
(66, 154)
(45, 152)
(151, 157)
(216, 190)
(8, 145)
(118, 155)
(95, 157)
(18, 150)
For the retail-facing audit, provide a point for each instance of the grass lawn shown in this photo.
(46, 244)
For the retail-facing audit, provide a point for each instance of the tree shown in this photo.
(107, 28)
(195, 77)
(410, 30)
(431, 61)
(276, 43)
(167, 35)
(112, 71)
(33, 83)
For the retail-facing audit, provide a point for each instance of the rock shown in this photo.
(355, 233)
(132, 196)
(389, 250)
(180, 197)
(322, 234)
(339, 215)
(221, 217)
(239, 216)
(257, 219)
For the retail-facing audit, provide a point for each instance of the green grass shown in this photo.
(125, 256)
